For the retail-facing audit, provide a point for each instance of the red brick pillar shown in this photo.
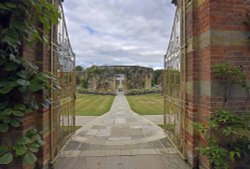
(216, 32)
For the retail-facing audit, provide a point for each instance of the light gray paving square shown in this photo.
(103, 132)
(92, 132)
(120, 121)
(120, 138)
(109, 121)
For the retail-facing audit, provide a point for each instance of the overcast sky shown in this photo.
(119, 32)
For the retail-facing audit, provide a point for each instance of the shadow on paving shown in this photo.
(120, 139)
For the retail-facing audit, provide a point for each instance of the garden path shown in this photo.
(83, 120)
(120, 139)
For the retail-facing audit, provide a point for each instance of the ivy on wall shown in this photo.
(22, 22)
(228, 133)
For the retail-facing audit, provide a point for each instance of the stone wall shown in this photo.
(103, 78)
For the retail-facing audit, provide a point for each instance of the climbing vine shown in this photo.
(228, 133)
(22, 22)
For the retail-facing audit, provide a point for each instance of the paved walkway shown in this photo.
(83, 120)
(120, 139)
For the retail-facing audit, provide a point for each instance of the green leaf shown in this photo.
(23, 82)
(21, 26)
(15, 123)
(34, 147)
(2, 61)
(10, 66)
(15, 58)
(28, 110)
(23, 74)
(6, 89)
(2, 116)
(20, 107)
(7, 111)
(4, 128)
(6, 120)
(3, 104)
(7, 86)
(231, 155)
(23, 89)
(21, 150)
(31, 65)
(36, 86)
(46, 103)
(34, 105)
(32, 131)
(12, 38)
(3, 82)
(29, 158)
(7, 6)
(17, 113)
(13, 83)
(3, 7)
(43, 77)
(24, 140)
(6, 158)
(3, 150)
(40, 142)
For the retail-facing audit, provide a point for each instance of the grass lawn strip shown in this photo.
(150, 104)
(93, 105)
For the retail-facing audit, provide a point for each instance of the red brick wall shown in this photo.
(39, 119)
(216, 32)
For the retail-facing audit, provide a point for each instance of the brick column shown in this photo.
(215, 32)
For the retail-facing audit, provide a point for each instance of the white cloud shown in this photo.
(109, 32)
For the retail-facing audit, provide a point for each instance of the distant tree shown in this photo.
(79, 68)
(94, 70)
(157, 75)
(85, 84)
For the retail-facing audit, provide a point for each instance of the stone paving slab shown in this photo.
(122, 128)
(83, 120)
(128, 152)
(120, 139)
(123, 162)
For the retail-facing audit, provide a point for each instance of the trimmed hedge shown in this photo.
(142, 91)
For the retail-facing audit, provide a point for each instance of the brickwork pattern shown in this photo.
(216, 33)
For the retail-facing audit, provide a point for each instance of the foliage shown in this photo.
(216, 155)
(94, 70)
(157, 76)
(25, 147)
(228, 136)
(120, 70)
(79, 68)
(25, 22)
(232, 74)
(228, 133)
(84, 83)
(142, 91)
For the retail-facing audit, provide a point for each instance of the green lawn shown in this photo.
(149, 104)
(93, 105)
